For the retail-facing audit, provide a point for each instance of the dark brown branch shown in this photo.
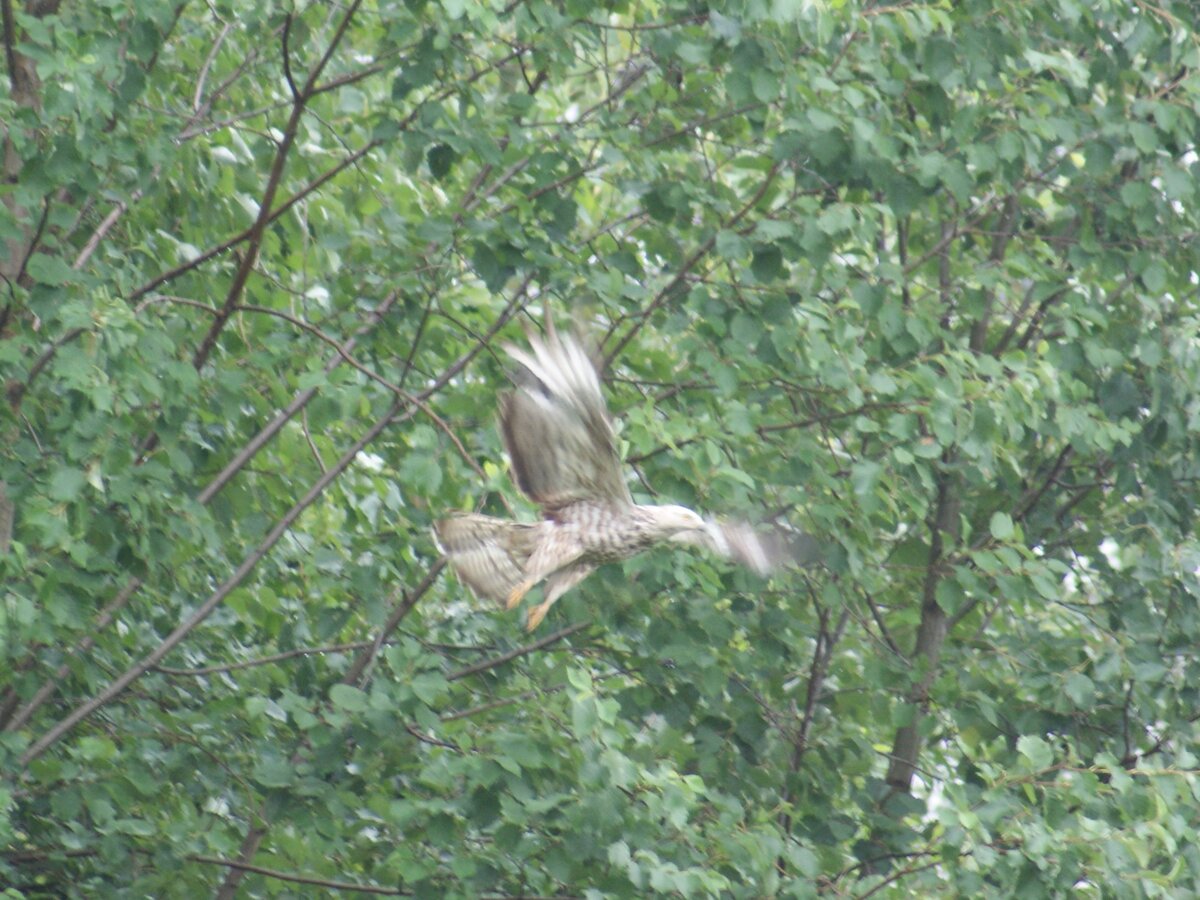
(1005, 230)
(1035, 321)
(107, 224)
(286, 414)
(18, 857)
(348, 78)
(206, 67)
(429, 739)
(1017, 318)
(982, 207)
(247, 233)
(283, 656)
(254, 240)
(299, 879)
(495, 704)
(249, 846)
(1035, 494)
(408, 600)
(931, 633)
(286, 53)
(315, 73)
(827, 639)
(10, 42)
(486, 664)
(896, 876)
(698, 254)
(882, 626)
(134, 672)
(31, 244)
(7, 513)
(1132, 756)
(764, 430)
(395, 389)
(47, 688)
(17, 391)
(1019, 512)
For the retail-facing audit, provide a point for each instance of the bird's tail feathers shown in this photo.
(487, 553)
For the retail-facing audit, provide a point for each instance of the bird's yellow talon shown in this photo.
(536, 615)
(515, 595)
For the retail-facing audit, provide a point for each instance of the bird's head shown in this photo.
(680, 524)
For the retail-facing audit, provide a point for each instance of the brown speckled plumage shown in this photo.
(563, 454)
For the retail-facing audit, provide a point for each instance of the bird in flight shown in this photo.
(563, 455)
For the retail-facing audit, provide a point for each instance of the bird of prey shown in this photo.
(563, 454)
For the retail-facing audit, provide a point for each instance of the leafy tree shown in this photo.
(918, 280)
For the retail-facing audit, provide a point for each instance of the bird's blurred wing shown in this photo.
(761, 552)
(556, 426)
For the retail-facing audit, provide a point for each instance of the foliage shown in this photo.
(918, 280)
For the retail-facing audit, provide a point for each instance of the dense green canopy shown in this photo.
(918, 280)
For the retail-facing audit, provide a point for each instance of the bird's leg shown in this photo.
(560, 582)
(515, 595)
(538, 613)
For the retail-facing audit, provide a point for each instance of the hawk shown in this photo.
(563, 455)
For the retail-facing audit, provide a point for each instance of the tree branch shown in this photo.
(240, 460)
(699, 253)
(299, 879)
(485, 665)
(826, 640)
(263, 660)
(931, 633)
(133, 673)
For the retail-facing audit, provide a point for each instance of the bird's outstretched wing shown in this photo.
(761, 551)
(556, 426)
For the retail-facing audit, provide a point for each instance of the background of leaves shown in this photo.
(916, 279)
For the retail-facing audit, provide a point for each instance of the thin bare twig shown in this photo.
(486, 664)
(262, 660)
(300, 879)
(495, 704)
(699, 253)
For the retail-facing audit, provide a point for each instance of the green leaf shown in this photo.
(864, 476)
(429, 687)
(66, 483)
(731, 245)
(1001, 526)
(1154, 277)
(441, 160)
(97, 748)
(348, 698)
(1080, 689)
(274, 772)
(421, 469)
(882, 383)
(746, 329)
(46, 269)
(1036, 751)
(767, 263)
(726, 28)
